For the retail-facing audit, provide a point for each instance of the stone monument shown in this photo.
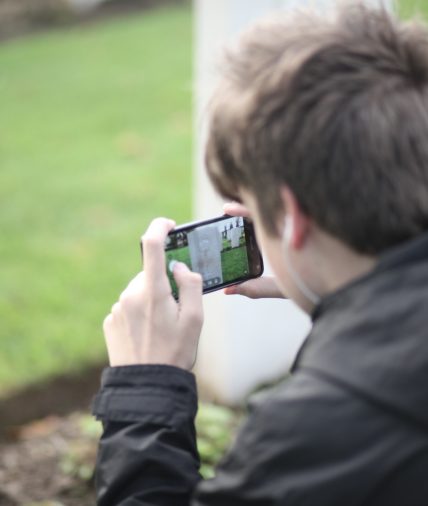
(205, 245)
(235, 236)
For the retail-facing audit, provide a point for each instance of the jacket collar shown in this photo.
(370, 336)
(409, 252)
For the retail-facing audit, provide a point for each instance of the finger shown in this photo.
(190, 294)
(116, 309)
(117, 315)
(134, 289)
(265, 287)
(236, 209)
(231, 290)
(107, 324)
(136, 282)
(153, 251)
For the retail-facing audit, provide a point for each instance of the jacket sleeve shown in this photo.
(147, 454)
(306, 442)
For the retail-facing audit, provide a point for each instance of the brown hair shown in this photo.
(335, 108)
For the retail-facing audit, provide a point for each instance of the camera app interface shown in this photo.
(217, 251)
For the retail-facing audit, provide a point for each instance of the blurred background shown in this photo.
(95, 140)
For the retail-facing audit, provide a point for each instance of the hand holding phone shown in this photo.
(223, 250)
(146, 325)
(260, 288)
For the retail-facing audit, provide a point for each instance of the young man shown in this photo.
(320, 128)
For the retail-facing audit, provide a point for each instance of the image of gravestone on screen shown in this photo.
(216, 250)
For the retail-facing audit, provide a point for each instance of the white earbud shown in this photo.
(288, 230)
(313, 297)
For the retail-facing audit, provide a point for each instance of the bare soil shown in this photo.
(50, 463)
(48, 442)
(58, 396)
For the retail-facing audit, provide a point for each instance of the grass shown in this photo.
(234, 262)
(95, 140)
(411, 8)
(180, 255)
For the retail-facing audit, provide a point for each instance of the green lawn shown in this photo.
(95, 140)
(180, 255)
(411, 8)
(234, 262)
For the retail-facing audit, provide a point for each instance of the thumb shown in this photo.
(259, 288)
(190, 291)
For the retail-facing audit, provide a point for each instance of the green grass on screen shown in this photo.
(234, 263)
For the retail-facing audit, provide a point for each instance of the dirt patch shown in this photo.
(51, 463)
(47, 450)
(49, 460)
(57, 396)
(48, 442)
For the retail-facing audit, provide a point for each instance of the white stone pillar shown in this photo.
(244, 343)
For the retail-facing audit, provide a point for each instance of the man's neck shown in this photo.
(338, 265)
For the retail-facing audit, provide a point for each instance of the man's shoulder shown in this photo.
(305, 400)
(325, 414)
(311, 438)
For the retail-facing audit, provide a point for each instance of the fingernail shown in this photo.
(175, 266)
(180, 267)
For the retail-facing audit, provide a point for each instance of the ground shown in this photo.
(50, 462)
(93, 118)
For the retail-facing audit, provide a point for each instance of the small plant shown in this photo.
(216, 426)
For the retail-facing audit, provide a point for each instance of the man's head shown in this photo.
(336, 110)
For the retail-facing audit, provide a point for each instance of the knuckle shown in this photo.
(107, 322)
(140, 277)
(126, 299)
(194, 279)
(159, 222)
(115, 309)
(150, 241)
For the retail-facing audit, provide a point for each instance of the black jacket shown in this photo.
(350, 427)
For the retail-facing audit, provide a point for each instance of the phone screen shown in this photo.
(221, 250)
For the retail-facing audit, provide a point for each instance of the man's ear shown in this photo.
(298, 224)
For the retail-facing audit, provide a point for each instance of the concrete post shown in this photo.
(244, 342)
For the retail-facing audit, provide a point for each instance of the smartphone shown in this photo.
(223, 250)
